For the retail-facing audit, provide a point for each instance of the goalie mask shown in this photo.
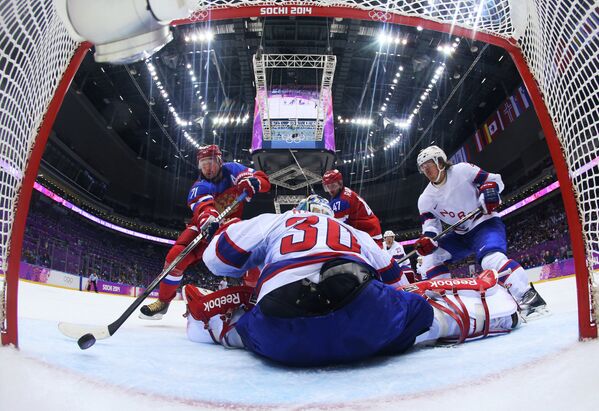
(315, 204)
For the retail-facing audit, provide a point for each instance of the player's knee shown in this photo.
(437, 272)
(186, 237)
(493, 261)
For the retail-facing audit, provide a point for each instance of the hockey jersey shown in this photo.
(293, 246)
(219, 194)
(396, 250)
(455, 198)
(350, 208)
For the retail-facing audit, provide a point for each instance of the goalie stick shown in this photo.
(86, 335)
(452, 227)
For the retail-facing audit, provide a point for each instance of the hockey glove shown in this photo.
(425, 245)
(251, 185)
(489, 197)
(207, 223)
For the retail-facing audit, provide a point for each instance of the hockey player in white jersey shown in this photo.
(321, 297)
(453, 191)
(396, 251)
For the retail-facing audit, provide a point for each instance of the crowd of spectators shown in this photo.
(59, 239)
(537, 235)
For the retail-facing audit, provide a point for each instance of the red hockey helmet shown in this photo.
(211, 151)
(332, 176)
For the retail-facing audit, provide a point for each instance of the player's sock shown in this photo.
(166, 293)
(516, 279)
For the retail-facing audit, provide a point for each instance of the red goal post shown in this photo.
(554, 45)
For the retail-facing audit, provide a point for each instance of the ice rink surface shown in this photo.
(152, 365)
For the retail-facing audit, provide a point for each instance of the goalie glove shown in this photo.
(426, 245)
(489, 198)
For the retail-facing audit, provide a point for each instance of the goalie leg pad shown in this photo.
(467, 308)
(213, 316)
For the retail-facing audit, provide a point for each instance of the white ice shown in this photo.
(152, 365)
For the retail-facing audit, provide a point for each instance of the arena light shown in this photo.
(180, 122)
(359, 121)
(203, 36)
(230, 120)
(389, 38)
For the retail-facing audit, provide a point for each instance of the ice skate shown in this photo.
(532, 305)
(153, 311)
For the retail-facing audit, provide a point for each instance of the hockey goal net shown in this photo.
(555, 45)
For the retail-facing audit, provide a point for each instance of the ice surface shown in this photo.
(152, 364)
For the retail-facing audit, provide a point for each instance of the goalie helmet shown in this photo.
(211, 151)
(431, 153)
(315, 204)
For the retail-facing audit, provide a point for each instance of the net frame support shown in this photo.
(586, 322)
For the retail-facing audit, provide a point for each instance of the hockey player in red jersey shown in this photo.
(217, 186)
(349, 207)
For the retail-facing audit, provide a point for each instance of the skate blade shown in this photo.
(537, 314)
(154, 317)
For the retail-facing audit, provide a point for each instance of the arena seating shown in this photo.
(59, 239)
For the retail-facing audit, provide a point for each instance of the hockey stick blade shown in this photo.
(76, 331)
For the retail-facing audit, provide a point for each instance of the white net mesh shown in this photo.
(561, 46)
(559, 40)
(34, 52)
(490, 16)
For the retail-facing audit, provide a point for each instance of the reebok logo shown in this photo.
(220, 301)
(451, 282)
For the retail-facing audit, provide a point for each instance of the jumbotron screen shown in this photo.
(293, 113)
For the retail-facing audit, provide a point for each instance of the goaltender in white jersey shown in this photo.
(321, 298)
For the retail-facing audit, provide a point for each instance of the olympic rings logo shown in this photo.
(199, 15)
(379, 15)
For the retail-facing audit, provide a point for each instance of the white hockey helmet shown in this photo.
(389, 233)
(431, 153)
(315, 204)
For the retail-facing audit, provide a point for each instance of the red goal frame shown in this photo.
(586, 323)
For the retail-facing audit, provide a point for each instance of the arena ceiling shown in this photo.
(207, 73)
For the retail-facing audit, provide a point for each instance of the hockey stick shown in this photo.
(452, 227)
(86, 335)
